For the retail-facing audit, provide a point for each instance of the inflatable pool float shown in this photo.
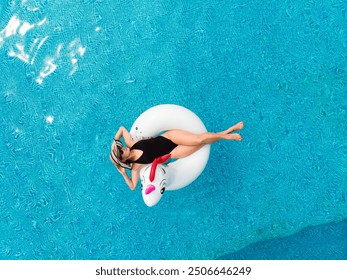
(158, 177)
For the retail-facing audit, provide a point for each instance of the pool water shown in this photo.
(74, 71)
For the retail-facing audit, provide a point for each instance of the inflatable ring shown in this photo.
(179, 173)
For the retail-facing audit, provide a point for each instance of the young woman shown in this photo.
(178, 143)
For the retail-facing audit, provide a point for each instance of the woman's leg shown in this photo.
(181, 137)
(235, 127)
(182, 151)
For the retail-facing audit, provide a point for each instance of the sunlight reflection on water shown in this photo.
(26, 40)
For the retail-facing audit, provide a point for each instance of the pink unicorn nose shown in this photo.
(149, 189)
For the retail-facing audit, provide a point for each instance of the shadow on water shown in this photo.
(323, 242)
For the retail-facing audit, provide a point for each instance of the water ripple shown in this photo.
(28, 41)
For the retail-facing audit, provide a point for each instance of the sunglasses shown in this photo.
(120, 152)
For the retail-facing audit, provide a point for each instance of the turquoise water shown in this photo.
(323, 242)
(74, 71)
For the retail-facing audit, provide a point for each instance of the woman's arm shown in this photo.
(122, 132)
(131, 182)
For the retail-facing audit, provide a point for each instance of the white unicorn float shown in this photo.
(159, 177)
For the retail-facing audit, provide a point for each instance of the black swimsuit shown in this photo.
(153, 148)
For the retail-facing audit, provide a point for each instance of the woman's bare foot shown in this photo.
(238, 126)
(234, 136)
(235, 127)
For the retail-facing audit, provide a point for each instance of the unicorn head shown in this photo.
(154, 180)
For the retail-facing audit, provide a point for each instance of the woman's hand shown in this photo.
(120, 169)
(122, 132)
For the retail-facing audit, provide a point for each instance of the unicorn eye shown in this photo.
(163, 170)
(162, 190)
